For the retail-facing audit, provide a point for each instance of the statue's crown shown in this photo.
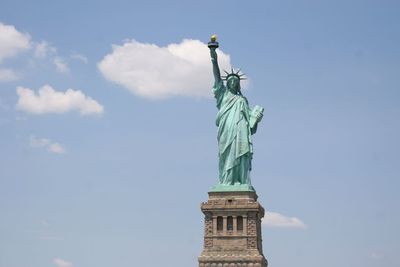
(238, 75)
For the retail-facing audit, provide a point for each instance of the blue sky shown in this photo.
(108, 165)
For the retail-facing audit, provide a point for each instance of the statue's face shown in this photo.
(233, 85)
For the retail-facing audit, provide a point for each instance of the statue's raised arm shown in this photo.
(213, 45)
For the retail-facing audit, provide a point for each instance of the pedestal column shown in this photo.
(232, 248)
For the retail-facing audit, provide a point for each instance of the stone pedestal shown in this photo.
(232, 230)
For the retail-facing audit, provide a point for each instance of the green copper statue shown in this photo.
(236, 123)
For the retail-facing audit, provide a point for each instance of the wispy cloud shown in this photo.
(61, 65)
(44, 49)
(79, 57)
(47, 144)
(7, 75)
(56, 148)
(376, 255)
(157, 72)
(45, 232)
(62, 263)
(14, 42)
(3, 105)
(275, 219)
(48, 100)
(45, 223)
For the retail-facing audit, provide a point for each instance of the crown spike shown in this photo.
(237, 74)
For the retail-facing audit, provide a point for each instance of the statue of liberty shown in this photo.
(236, 123)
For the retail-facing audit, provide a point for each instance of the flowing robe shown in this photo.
(234, 136)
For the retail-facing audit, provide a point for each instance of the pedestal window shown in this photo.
(220, 223)
(239, 224)
(229, 225)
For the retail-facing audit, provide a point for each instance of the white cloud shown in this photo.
(7, 75)
(275, 219)
(47, 100)
(79, 57)
(44, 49)
(56, 148)
(62, 263)
(154, 72)
(47, 144)
(12, 41)
(60, 65)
